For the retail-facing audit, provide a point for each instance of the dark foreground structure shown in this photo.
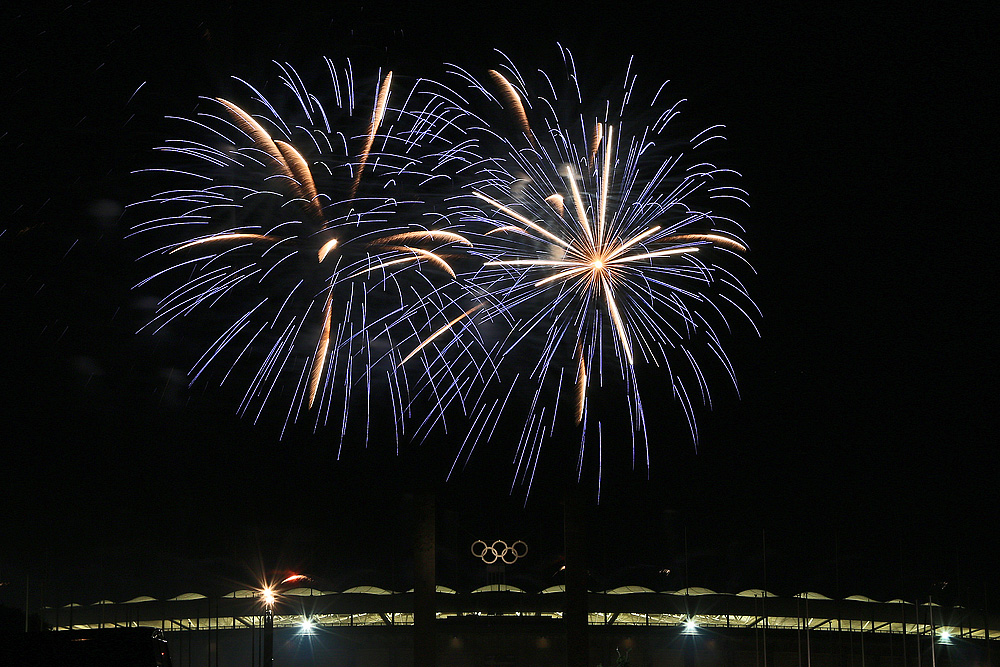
(105, 647)
(503, 626)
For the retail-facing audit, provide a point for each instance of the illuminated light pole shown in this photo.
(267, 648)
(269, 596)
(930, 610)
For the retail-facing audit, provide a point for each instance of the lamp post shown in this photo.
(267, 643)
(269, 596)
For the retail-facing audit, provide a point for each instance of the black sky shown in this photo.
(860, 448)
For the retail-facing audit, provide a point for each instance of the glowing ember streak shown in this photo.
(557, 203)
(712, 238)
(419, 253)
(224, 237)
(433, 259)
(302, 176)
(513, 102)
(263, 140)
(431, 235)
(325, 249)
(595, 142)
(322, 347)
(581, 383)
(257, 134)
(383, 265)
(377, 115)
(440, 331)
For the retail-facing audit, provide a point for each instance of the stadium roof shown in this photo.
(623, 605)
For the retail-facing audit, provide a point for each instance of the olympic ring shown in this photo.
(499, 550)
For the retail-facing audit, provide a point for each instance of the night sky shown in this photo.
(857, 458)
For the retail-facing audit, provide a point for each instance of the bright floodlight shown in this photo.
(307, 627)
(268, 596)
(690, 627)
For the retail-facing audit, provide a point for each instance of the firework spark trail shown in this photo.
(299, 219)
(513, 103)
(598, 255)
(378, 113)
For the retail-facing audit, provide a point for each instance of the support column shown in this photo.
(267, 643)
(575, 616)
(425, 581)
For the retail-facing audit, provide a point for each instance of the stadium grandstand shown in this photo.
(501, 625)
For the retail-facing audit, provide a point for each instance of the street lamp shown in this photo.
(267, 649)
(269, 596)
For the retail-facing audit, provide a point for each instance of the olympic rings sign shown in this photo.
(499, 551)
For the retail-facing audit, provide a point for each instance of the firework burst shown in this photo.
(286, 234)
(604, 249)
